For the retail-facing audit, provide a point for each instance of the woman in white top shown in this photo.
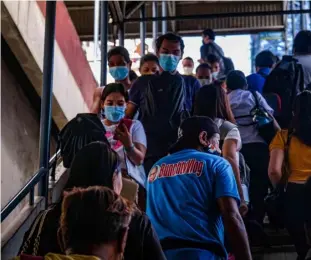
(255, 149)
(126, 137)
(211, 100)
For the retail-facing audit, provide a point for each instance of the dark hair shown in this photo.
(212, 58)
(302, 43)
(189, 58)
(119, 50)
(114, 88)
(148, 57)
(132, 75)
(301, 122)
(93, 165)
(92, 217)
(212, 101)
(236, 80)
(172, 38)
(210, 33)
(265, 59)
(203, 66)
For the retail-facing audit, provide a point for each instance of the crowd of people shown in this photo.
(204, 149)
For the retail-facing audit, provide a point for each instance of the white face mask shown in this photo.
(215, 74)
(188, 70)
(205, 81)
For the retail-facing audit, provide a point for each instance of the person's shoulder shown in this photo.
(140, 223)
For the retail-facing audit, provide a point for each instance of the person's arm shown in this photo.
(135, 150)
(96, 100)
(135, 94)
(229, 150)
(227, 198)
(234, 228)
(275, 165)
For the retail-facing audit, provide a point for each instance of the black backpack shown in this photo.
(161, 110)
(79, 132)
(286, 80)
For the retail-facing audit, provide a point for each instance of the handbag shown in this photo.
(275, 200)
(34, 238)
(265, 123)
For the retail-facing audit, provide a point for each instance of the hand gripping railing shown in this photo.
(28, 189)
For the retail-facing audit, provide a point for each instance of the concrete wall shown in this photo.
(19, 137)
(23, 28)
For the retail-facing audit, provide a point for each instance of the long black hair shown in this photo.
(93, 165)
(212, 101)
(301, 122)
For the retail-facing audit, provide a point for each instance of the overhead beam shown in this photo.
(217, 15)
(132, 11)
(80, 8)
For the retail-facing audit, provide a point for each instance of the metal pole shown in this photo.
(96, 30)
(302, 16)
(47, 92)
(103, 41)
(154, 23)
(121, 34)
(164, 22)
(293, 19)
(142, 31)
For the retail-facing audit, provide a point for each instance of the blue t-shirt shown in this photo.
(182, 193)
(256, 81)
(192, 85)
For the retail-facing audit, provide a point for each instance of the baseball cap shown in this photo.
(190, 129)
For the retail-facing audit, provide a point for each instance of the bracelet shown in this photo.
(130, 149)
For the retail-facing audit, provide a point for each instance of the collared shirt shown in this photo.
(257, 80)
(242, 102)
(182, 193)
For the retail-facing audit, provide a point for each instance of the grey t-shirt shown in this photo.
(305, 61)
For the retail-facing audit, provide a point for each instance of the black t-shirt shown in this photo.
(142, 241)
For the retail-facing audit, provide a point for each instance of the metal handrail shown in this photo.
(28, 188)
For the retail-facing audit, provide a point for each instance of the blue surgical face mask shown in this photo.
(215, 74)
(168, 62)
(114, 113)
(119, 72)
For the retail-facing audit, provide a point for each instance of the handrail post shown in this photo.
(164, 22)
(142, 30)
(103, 41)
(46, 100)
(154, 23)
(121, 34)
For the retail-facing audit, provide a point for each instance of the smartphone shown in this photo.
(126, 122)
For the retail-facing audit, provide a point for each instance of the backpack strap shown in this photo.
(256, 98)
(286, 167)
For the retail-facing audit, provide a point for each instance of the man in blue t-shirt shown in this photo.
(264, 62)
(192, 196)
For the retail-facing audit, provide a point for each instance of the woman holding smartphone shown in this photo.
(127, 137)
